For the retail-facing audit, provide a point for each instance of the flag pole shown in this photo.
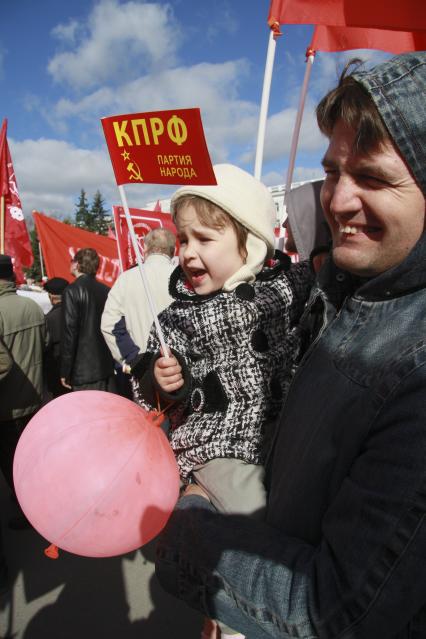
(41, 261)
(142, 270)
(310, 55)
(270, 56)
(116, 221)
(2, 225)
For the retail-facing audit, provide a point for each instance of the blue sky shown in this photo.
(63, 66)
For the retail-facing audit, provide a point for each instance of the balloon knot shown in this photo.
(52, 552)
(156, 417)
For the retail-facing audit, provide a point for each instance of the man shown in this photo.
(127, 318)
(55, 288)
(24, 336)
(86, 363)
(341, 554)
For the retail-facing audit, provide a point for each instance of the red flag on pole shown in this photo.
(14, 233)
(60, 242)
(409, 15)
(345, 38)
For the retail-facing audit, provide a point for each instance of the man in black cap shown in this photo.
(23, 332)
(54, 287)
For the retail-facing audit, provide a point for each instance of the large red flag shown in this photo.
(345, 38)
(13, 228)
(405, 15)
(60, 242)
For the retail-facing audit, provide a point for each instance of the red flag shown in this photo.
(344, 38)
(60, 242)
(407, 15)
(111, 234)
(16, 239)
(143, 222)
(159, 147)
(157, 207)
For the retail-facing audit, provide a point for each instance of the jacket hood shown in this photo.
(398, 88)
(306, 218)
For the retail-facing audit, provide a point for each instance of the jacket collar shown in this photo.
(402, 279)
(7, 287)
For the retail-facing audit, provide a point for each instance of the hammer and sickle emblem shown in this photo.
(135, 172)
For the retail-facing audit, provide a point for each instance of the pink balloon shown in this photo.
(94, 474)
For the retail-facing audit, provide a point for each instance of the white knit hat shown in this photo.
(249, 202)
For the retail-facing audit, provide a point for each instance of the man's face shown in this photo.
(375, 210)
(74, 268)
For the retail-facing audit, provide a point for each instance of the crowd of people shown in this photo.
(295, 393)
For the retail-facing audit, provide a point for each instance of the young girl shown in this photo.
(232, 331)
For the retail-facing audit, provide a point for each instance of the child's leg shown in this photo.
(234, 487)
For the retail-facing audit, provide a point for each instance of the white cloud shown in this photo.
(120, 40)
(213, 88)
(66, 33)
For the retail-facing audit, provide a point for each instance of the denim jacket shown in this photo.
(342, 554)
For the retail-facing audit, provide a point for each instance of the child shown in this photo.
(232, 330)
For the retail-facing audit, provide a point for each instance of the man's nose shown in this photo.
(345, 198)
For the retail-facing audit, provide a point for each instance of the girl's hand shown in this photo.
(168, 374)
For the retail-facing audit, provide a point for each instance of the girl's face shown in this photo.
(207, 256)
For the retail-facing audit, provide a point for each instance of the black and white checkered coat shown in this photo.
(239, 349)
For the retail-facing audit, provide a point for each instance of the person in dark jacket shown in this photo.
(86, 362)
(341, 553)
(55, 288)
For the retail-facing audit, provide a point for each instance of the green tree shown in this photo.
(83, 217)
(35, 269)
(100, 217)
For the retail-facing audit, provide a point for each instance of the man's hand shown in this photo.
(64, 383)
(168, 374)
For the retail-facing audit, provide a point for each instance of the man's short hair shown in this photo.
(351, 104)
(87, 260)
(160, 241)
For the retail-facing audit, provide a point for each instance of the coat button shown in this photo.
(245, 291)
(259, 341)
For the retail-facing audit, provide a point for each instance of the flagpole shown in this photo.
(310, 55)
(120, 257)
(270, 56)
(41, 261)
(142, 270)
(2, 225)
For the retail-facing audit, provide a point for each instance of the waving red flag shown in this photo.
(407, 15)
(13, 228)
(344, 38)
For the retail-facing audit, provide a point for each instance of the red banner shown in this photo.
(13, 230)
(60, 242)
(404, 15)
(160, 147)
(344, 38)
(143, 222)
